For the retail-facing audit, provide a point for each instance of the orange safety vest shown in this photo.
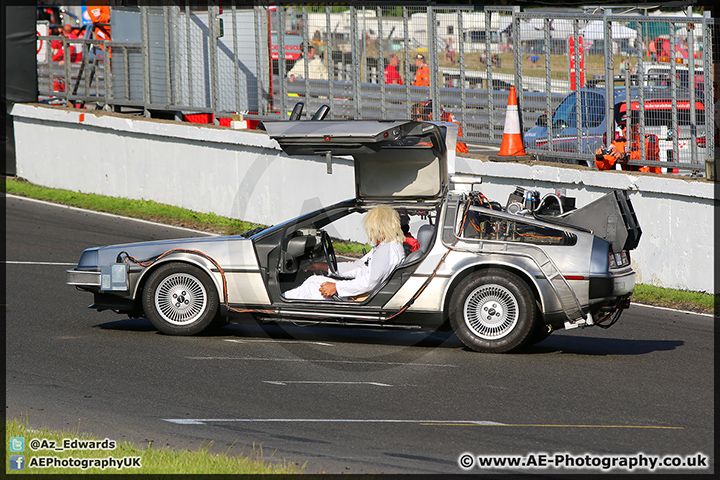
(422, 77)
(449, 117)
(100, 14)
(652, 151)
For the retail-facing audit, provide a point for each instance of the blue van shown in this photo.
(565, 128)
(658, 121)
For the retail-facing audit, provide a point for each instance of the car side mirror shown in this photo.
(321, 113)
(296, 111)
(541, 120)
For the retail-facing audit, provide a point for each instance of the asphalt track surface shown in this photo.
(340, 400)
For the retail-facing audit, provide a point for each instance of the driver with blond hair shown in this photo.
(382, 226)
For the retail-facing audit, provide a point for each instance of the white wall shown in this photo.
(233, 173)
(244, 174)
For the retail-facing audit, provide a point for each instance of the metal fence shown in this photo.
(223, 60)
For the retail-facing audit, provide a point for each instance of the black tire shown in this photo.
(493, 311)
(538, 334)
(180, 299)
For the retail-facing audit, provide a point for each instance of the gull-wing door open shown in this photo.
(393, 159)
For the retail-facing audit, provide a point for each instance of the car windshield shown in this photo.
(592, 109)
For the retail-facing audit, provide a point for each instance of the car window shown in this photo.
(480, 224)
(565, 112)
(593, 109)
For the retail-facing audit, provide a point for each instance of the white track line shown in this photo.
(279, 341)
(673, 310)
(13, 262)
(447, 423)
(361, 362)
(202, 421)
(320, 382)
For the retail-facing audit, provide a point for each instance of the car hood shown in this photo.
(218, 248)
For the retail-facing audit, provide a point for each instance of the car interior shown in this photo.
(303, 245)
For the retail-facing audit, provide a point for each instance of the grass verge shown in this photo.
(149, 210)
(153, 211)
(679, 299)
(144, 209)
(150, 460)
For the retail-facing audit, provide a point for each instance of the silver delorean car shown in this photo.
(500, 276)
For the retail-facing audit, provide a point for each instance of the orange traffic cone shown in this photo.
(512, 143)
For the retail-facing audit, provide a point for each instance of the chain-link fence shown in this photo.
(576, 74)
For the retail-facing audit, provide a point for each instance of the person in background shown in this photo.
(392, 76)
(450, 50)
(382, 226)
(58, 55)
(620, 152)
(423, 111)
(99, 12)
(57, 46)
(316, 68)
(422, 74)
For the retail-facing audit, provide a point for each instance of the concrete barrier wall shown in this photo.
(244, 174)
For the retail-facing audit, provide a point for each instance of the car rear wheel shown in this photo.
(180, 299)
(493, 311)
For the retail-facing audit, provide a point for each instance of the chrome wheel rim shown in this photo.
(180, 299)
(491, 311)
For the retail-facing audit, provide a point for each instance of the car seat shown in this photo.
(424, 238)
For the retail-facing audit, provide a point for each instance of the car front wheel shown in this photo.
(180, 299)
(493, 311)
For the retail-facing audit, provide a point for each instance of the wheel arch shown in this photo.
(460, 276)
(195, 260)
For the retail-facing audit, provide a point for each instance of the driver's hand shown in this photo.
(322, 266)
(328, 289)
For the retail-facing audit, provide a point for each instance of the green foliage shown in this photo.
(680, 299)
(144, 209)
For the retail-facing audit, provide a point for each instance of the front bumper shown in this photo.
(84, 279)
(110, 278)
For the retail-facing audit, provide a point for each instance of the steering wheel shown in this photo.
(329, 252)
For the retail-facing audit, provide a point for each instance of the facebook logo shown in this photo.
(17, 462)
(17, 444)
